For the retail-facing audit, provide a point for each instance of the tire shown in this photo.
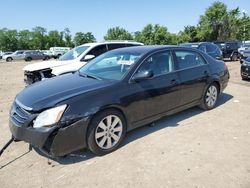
(210, 97)
(9, 59)
(234, 57)
(102, 136)
(28, 59)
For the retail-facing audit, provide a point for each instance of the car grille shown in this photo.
(19, 115)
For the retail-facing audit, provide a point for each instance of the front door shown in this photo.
(161, 93)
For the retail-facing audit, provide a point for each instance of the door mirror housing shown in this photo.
(88, 57)
(143, 75)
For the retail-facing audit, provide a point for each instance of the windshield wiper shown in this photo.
(89, 76)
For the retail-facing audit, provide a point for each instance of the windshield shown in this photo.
(74, 53)
(111, 65)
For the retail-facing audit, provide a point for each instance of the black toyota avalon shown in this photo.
(116, 92)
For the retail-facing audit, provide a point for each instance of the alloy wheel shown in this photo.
(211, 96)
(108, 132)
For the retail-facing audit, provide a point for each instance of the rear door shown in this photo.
(193, 72)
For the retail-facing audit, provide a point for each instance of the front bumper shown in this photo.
(53, 141)
(245, 71)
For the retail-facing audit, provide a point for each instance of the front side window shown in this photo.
(111, 65)
(74, 53)
(115, 46)
(188, 59)
(211, 48)
(98, 50)
(160, 63)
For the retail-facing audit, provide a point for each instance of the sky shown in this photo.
(97, 16)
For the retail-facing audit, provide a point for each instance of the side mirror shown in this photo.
(144, 75)
(88, 57)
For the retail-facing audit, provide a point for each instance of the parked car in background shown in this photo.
(72, 60)
(17, 55)
(5, 53)
(48, 53)
(230, 49)
(35, 55)
(245, 69)
(244, 47)
(244, 54)
(207, 47)
(116, 92)
(58, 51)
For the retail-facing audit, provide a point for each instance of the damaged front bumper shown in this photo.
(53, 141)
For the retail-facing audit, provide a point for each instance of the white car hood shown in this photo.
(71, 67)
(46, 65)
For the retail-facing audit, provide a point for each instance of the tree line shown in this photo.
(218, 23)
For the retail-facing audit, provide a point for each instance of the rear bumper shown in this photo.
(53, 141)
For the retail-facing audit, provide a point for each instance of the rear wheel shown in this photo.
(234, 57)
(106, 132)
(210, 97)
(9, 59)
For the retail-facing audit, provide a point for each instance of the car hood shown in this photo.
(46, 65)
(71, 67)
(48, 93)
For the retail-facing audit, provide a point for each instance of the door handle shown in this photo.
(206, 73)
(174, 82)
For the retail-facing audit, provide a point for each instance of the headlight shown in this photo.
(49, 117)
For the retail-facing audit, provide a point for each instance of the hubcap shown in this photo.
(211, 96)
(108, 132)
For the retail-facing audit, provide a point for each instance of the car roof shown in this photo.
(110, 42)
(150, 48)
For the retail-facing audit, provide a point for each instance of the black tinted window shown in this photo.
(187, 59)
(98, 50)
(211, 48)
(115, 46)
(160, 63)
(129, 45)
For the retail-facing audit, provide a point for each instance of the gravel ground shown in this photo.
(193, 148)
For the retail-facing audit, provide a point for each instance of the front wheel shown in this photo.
(9, 59)
(106, 132)
(210, 97)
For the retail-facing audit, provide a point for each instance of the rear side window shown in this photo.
(98, 50)
(160, 63)
(211, 48)
(115, 46)
(188, 59)
(129, 45)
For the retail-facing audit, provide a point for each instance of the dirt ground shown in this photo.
(193, 148)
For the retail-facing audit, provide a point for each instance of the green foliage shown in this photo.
(118, 33)
(38, 38)
(81, 38)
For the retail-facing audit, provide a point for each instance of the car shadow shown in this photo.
(169, 121)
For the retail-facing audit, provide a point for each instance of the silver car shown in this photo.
(17, 55)
(35, 55)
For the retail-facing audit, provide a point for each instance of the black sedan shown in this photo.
(113, 94)
(245, 69)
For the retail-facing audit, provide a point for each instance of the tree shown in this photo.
(117, 33)
(219, 24)
(38, 38)
(54, 38)
(8, 40)
(155, 34)
(67, 37)
(82, 38)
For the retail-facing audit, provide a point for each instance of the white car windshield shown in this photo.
(111, 65)
(74, 53)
